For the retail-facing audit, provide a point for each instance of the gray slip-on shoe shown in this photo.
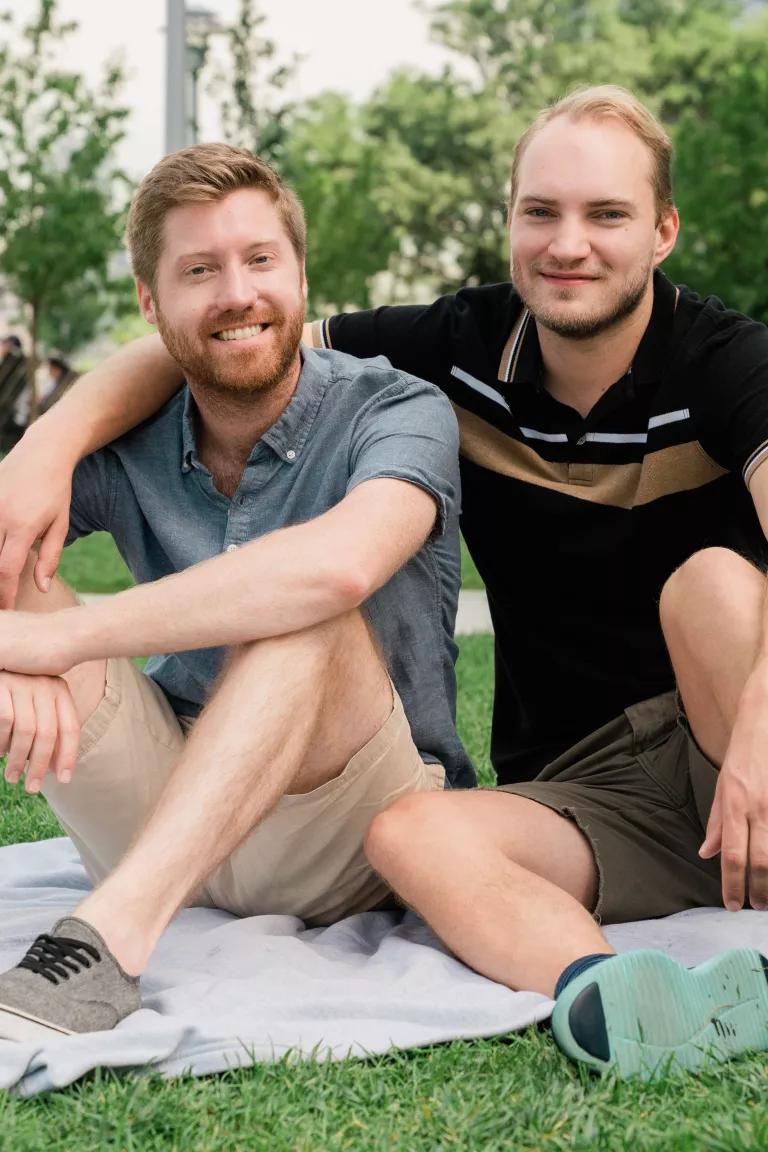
(68, 982)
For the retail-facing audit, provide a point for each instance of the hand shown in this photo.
(39, 726)
(35, 493)
(738, 823)
(39, 643)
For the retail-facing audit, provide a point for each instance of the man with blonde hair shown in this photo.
(614, 438)
(270, 499)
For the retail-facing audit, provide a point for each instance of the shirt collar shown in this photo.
(288, 435)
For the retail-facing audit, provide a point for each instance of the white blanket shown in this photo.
(222, 992)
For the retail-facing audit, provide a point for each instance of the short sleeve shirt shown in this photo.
(576, 522)
(348, 422)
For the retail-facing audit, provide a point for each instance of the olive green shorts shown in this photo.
(640, 789)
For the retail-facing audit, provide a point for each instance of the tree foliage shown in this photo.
(60, 203)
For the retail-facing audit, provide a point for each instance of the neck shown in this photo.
(578, 372)
(229, 425)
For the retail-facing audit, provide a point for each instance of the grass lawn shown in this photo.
(515, 1093)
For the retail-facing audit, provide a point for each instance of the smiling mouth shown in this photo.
(245, 333)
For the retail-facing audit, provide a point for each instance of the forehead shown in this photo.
(239, 219)
(586, 160)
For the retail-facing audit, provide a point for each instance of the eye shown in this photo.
(611, 215)
(260, 259)
(196, 271)
(540, 213)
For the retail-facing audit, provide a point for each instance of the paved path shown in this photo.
(473, 612)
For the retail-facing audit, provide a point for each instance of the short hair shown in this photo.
(195, 175)
(608, 101)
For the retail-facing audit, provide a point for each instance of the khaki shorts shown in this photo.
(305, 859)
(640, 789)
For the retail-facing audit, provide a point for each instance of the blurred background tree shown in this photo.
(62, 195)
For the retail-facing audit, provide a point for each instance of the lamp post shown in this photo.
(188, 31)
(201, 25)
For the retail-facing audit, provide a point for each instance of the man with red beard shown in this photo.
(259, 509)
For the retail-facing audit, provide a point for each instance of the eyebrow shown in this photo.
(185, 256)
(610, 202)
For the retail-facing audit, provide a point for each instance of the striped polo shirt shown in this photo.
(576, 522)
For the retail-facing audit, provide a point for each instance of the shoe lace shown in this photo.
(58, 956)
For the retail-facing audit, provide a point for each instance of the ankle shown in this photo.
(576, 967)
(130, 942)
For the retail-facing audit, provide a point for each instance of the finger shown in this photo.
(13, 557)
(713, 838)
(758, 865)
(46, 733)
(22, 735)
(6, 722)
(50, 550)
(733, 859)
(68, 743)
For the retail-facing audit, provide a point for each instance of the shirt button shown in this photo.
(581, 440)
(290, 454)
(231, 548)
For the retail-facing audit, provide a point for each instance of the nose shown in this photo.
(236, 290)
(570, 242)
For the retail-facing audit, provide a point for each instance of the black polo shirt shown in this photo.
(576, 522)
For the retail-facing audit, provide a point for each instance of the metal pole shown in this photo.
(175, 81)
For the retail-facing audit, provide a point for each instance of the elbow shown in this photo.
(352, 585)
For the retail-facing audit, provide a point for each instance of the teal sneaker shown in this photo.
(643, 1014)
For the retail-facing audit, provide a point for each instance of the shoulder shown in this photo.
(718, 339)
(360, 380)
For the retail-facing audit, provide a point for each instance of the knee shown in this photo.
(401, 831)
(315, 643)
(707, 584)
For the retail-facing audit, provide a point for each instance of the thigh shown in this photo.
(128, 748)
(306, 858)
(628, 789)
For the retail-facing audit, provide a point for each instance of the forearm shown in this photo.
(106, 402)
(281, 583)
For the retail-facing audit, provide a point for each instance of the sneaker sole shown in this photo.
(643, 1014)
(27, 1029)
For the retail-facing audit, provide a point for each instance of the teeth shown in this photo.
(240, 333)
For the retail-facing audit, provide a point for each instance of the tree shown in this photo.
(61, 192)
(335, 168)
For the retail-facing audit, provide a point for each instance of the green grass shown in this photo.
(94, 564)
(515, 1093)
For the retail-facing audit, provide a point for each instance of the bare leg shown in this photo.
(503, 880)
(288, 715)
(711, 613)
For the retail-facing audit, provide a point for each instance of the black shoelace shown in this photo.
(58, 956)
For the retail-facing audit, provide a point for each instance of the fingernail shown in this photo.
(33, 786)
(13, 777)
(46, 583)
(65, 776)
(733, 906)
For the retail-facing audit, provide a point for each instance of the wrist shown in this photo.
(56, 443)
(74, 639)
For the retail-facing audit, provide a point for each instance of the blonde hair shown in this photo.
(608, 101)
(192, 176)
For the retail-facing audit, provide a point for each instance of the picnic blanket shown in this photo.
(222, 992)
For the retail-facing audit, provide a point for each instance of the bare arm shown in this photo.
(280, 583)
(35, 478)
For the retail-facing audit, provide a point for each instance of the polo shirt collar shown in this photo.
(288, 435)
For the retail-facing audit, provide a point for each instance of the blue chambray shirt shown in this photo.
(348, 421)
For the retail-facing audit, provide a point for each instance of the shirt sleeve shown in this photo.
(92, 497)
(732, 398)
(414, 338)
(408, 431)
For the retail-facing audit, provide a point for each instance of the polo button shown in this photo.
(582, 440)
(290, 454)
(231, 548)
